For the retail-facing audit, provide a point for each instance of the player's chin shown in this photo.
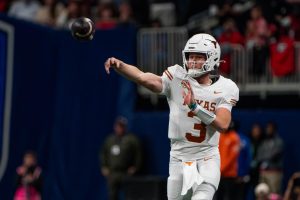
(195, 67)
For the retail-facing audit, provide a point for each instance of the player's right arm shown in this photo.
(151, 81)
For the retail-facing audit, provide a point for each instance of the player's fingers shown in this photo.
(183, 93)
(183, 84)
(118, 64)
(188, 85)
(107, 66)
(184, 96)
(112, 61)
(107, 70)
(190, 88)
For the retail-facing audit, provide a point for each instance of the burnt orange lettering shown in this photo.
(206, 105)
(212, 107)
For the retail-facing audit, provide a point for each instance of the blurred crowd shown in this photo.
(245, 158)
(60, 13)
(252, 165)
(270, 28)
(253, 21)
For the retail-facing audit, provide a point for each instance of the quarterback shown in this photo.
(200, 108)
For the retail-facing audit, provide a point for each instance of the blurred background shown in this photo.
(57, 101)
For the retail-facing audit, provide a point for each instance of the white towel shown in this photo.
(190, 176)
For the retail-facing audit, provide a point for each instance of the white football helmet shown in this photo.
(204, 44)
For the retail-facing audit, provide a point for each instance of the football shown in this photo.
(83, 29)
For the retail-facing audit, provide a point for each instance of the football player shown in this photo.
(200, 108)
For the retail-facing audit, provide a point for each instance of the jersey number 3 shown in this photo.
(197, 126)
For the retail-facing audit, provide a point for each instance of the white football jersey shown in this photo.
(191, 139)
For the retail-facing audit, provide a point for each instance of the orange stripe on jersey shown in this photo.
(233, 102)
(167, 71)
(169, 75)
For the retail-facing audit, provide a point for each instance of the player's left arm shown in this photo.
(223, 111)
(222, 119)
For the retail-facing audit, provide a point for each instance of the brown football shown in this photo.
(83, 29)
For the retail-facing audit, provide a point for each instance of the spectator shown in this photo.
(3, 5)
(29, 179)
(292, 191)
(262, 191)
(256, 39)
(24, 9)
(256, 137)
(86, 9)
(126, 15)
(230, 36)
(107, 16)
(229, 147)
(49, 12)
(120, 157)
(244, 163)
(257, 28)
(68, 15)
(141, 11)
(295, 23)
(282, 54)
(270, 159)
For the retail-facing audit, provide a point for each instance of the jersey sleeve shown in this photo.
(167, 77)
(231, 97)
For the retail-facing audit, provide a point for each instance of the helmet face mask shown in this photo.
(202, 44)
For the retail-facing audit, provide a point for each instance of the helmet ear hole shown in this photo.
(187, 54)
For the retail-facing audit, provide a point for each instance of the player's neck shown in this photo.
(204, 79)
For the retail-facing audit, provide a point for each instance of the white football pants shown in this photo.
(209, 169)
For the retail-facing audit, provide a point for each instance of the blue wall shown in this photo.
(3, 46)
(64, 105)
